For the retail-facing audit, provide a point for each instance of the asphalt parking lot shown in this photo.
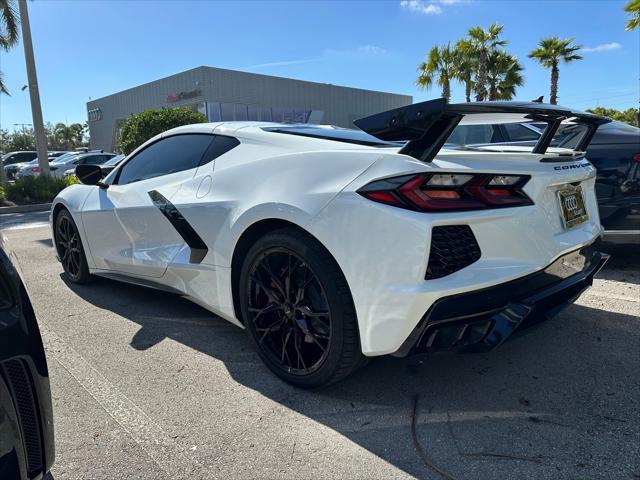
(148, 385)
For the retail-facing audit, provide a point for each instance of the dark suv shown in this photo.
(18, 157)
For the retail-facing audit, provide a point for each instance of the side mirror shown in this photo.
(89, 174)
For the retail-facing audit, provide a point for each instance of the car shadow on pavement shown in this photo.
(559, 401)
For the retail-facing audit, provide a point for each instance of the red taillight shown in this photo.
(636, 157)
(385, 197)
(35, 169)
(449, 191)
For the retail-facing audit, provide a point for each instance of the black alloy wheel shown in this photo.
(69, 248)
(298, 310)
(288, 309)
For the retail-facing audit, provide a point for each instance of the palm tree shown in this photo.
(8, 30)
(633, 8)
(484, 42)
(69, 135)
(550, 53)
(466, 65)
(503, 75)
(438, 68)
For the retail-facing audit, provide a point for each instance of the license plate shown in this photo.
(572, 206)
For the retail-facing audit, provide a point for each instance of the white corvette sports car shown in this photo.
(331, 245)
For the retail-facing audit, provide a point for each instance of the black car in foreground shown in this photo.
(26, 422)
(614, 151)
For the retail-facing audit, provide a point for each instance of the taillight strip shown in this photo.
(473, 192)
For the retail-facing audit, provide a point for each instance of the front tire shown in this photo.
(298, 310)
(70, 249)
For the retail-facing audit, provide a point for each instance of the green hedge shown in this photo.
(38, 188)
(140, 127)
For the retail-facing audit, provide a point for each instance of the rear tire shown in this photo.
(298, 310)
(70, 250)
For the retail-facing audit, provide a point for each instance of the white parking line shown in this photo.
(166, 453)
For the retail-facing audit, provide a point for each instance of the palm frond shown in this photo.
(9, 21)
(633, 8)
(3, 88)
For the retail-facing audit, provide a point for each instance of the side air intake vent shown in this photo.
(22, 392)
(453, 247)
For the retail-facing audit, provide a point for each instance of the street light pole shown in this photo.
(34, 94)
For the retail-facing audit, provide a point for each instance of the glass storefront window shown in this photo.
(229, 112)
(213, 112)
(226, 111)
(265, 114)
(240, 112)
(277, 114)
(252, 113)
(301, 116)
(288, 116)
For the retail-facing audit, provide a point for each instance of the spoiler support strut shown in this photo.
(427, 125)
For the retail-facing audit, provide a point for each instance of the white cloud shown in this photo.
(357, 52)
(371, 50)
(419, 6)
(428, 7)
(279, 64)
(604, 47)
(362, 52)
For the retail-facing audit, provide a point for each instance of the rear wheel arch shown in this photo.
(248, 239)
(57, 209)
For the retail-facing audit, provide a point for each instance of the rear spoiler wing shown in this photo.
(427, 125)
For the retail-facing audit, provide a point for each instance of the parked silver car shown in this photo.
(106, 167)
(65, 162)
(14, 161)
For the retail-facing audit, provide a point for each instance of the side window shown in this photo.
(219, 146)
(519, 133)
(168, 155)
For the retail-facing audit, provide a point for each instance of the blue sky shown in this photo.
(88, 49)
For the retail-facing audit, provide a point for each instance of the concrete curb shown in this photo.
(36, 207)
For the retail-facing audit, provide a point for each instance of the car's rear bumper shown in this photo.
(483, 319)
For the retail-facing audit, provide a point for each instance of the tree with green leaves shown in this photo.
(140, 127)
(550, 52)
(633, 9)
(504, 74)
(439, 68)
(630, 116)
(9, 21)
(484, 42)
(465, 65)
(68, 135)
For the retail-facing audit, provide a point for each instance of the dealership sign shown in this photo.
(94, 114)
(176, 97)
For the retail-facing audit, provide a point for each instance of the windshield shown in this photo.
(336, 134)
(113, 161)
